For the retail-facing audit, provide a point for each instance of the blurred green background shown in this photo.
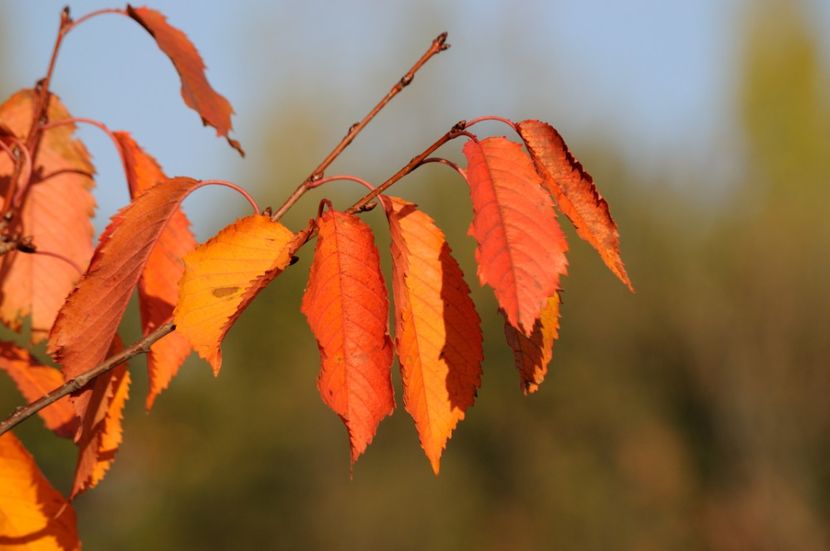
(692, 415)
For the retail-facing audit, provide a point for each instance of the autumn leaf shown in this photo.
(197, 92)
(88, 321)
(437, 330)
(33, 515)
(346, 306)
(533, 353)
(158, 287)
(575, 193)
(521, 248)
(56, 213)
(34, 381)
(223, 275)
(100, 433)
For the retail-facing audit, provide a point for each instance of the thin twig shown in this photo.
(456, 131)
(477, 120)
(439, 44)
(72, 385)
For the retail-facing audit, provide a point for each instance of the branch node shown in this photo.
(406, 80)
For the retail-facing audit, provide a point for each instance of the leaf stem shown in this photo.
(477, 120)
(449, 163)
(96, 123)
(439, 44)
(72, 385)
(349, 177)
(234, 187)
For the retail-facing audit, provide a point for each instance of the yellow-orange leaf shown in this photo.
(437, 329)
(521, 248)
(33, 515)
(346, 306)
(197, 92)
(87, 323)
(534, 353)
(99, 435)
(158, 287)
(575, 193)
(35, 380)
(223, 275)
(56, 213)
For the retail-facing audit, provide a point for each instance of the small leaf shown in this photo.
(57, 214)
(521, 248)
(197, 92)
(346, 306)
(223, 276)
(158, 287)
(88, 321)
(34, 381)
(534, 353)
(575, 193)
(33, 515)
(437, 329)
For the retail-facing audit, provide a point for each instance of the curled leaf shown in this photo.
(346, 306)
(521, 248)
(533, 353)
(575, 193)
(33, 515)
(158, 287)
(197, 92)
(223, 275)
(437, 330)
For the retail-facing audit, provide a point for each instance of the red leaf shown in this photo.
(534, 353)
(158, 287)
(437, 329)
(33, 515)
(34, 381)
(575, 193)
(57, 214)
(197, 92)
(88, 321)
(99, 435)
(346, 306)
(224, 275)
(521, 249)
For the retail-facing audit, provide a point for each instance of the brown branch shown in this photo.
(72, 385)
(439, 44)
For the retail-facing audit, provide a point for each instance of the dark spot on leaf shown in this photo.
(224, 291)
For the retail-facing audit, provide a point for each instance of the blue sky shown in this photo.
(650, 77)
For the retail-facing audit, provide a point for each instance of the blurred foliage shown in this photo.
(692, 415)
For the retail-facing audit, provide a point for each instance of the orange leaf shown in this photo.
(223, 275)
(33, 381)
(346, 307)
(437, 329)
(575, 193)
(158, 287)
(534, 353)
(521, 248)
(88, 321)
(33, 515)
(100, 432)
(197, 92)
(56, 214)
